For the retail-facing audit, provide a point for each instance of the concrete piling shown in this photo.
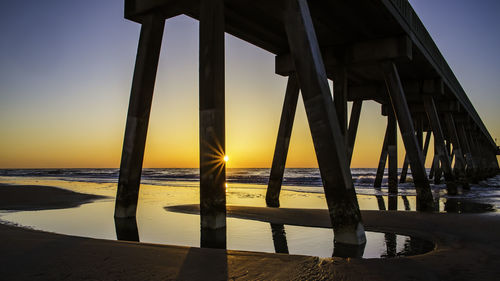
(139, 109)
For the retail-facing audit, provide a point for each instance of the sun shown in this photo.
(226, 158)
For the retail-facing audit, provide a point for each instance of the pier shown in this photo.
(376, 50)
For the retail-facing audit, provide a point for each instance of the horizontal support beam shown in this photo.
(444, 106)
(418, 108)
(361, 53)
(433, 87)
(367, 92)
(135, 10)
(413, 91)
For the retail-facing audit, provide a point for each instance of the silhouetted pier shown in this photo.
(371, 49)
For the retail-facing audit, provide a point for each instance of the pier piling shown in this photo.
(282, 142)
(329, 142)
(212, 116)
(440, 146)
(139, 109)
(402, 112)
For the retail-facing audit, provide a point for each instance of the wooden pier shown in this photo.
(371, 49)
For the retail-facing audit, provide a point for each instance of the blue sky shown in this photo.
(66, 68)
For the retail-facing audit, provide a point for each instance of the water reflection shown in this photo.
(279, 238)
(391, 245)
(348, 251)
(441, 204)
(411, 246)
(126, 229)
(339, 249)
(454, 205)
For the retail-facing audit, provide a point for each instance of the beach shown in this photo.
(465, 244)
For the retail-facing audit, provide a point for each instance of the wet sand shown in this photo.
(468, 248)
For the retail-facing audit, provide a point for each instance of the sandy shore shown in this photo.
(468, 248)
(35, 197)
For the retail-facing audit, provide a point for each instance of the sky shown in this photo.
(66, 68)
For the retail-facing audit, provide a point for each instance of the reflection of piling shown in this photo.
(348, 251)
(126, 229)
(391, 245)
(279, 238)
(454, 205)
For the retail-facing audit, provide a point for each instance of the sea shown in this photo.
(302, 188)
(300, 180)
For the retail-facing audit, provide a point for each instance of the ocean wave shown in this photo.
(300, 179)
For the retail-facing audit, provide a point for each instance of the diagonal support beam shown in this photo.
(329, 142)
(382, 161)
(426, 144)
(471, 166)
(437, 165)
(457, 150)
(353, 128)
(440, 146)
(283, 142)
(400, 107)
(139, 109)
(404, 170)
(212, 124)
(392, 149)
(340, 98)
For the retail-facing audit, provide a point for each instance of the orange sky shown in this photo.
(72, 113)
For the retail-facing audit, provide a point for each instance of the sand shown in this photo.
(35, 197)
(467, 249)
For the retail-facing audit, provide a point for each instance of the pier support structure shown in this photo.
(139, 109)
(389, 151)
(402, 112)
(392, 151)
(212, 116)
(282, 142)
(471, 166)
(310, 55)
(353, 127)
(440, 147)
(457, 150)
(329, 142)
(419, 133)
(383, 160)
